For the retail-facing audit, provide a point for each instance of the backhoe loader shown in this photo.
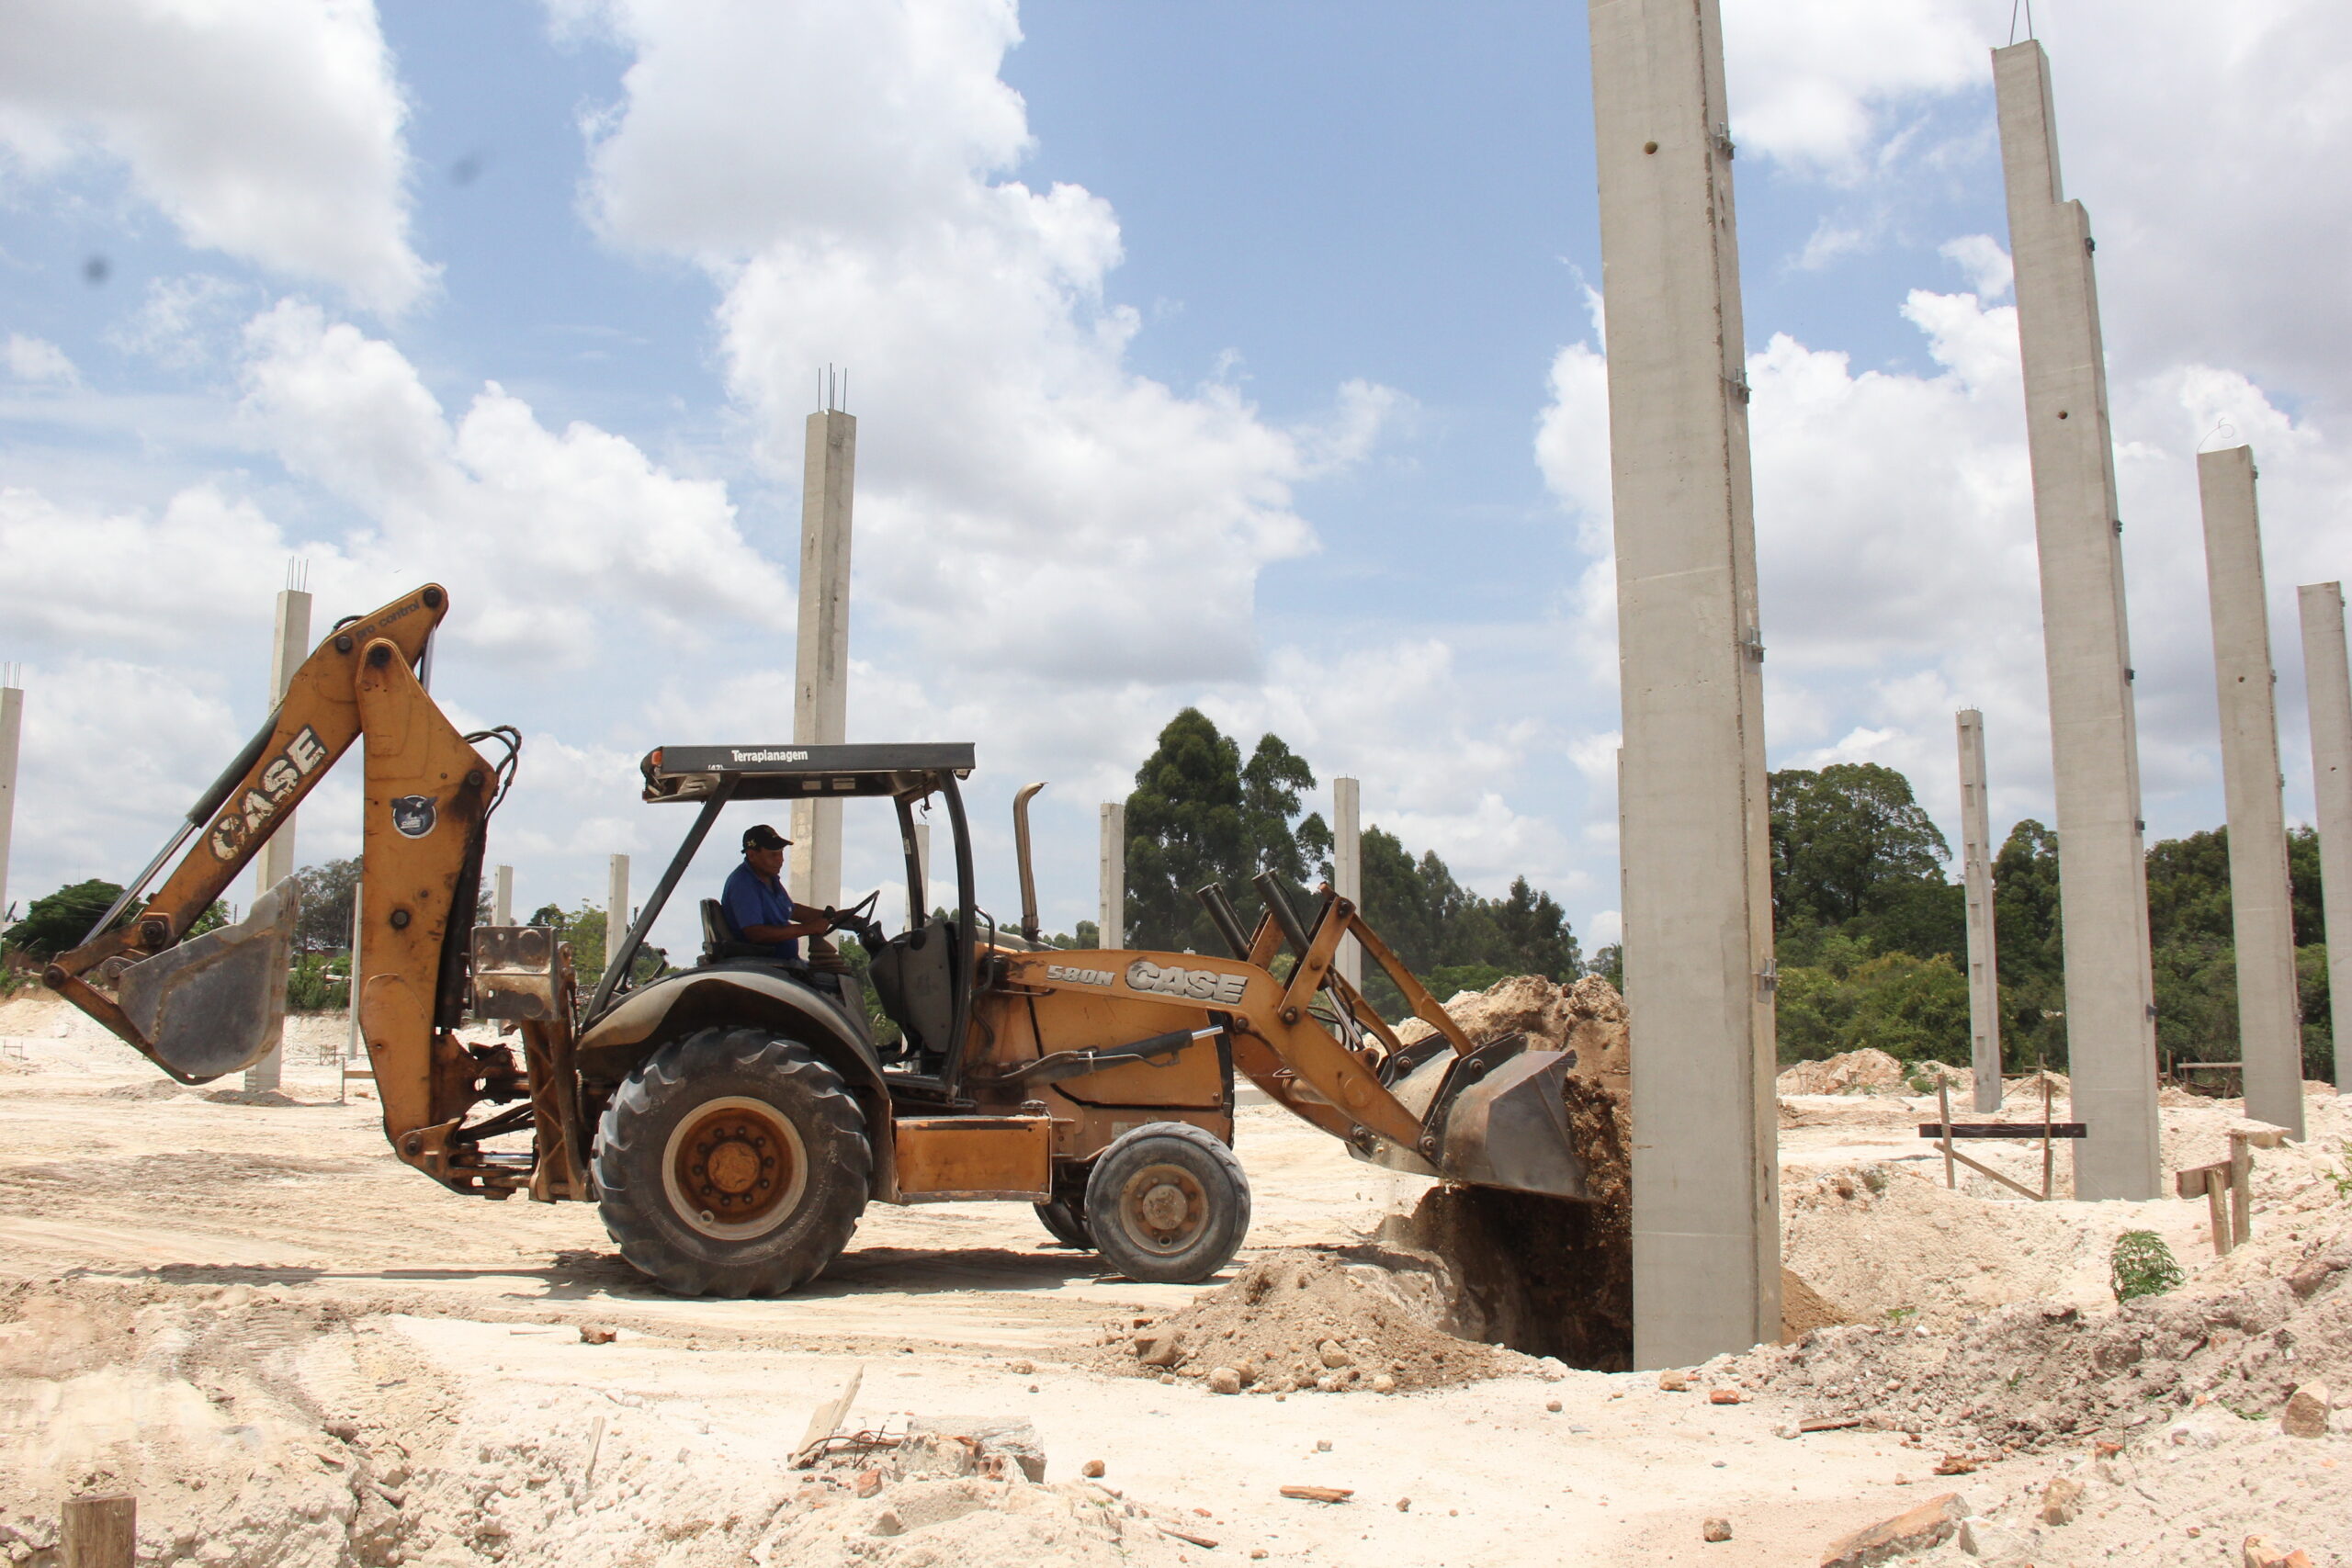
(731, 1119)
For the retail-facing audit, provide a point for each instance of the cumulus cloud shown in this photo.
(1898, 560)
(38, 361)
(1024, 497)
(545, 536)
(267, 130)
(1821, 85)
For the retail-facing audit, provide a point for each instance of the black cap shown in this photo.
(760, 836)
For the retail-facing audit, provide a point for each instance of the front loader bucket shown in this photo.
(205, 1008)
(1494, 1118)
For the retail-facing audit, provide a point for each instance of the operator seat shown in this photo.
(721, 941)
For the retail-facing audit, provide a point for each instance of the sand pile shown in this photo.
(1867, 1071)
(1373, 1320)
(2039, 1372)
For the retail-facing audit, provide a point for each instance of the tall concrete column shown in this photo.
(615, 907)
(1347, 866)
(290, 645)
(820, 687)
(2095, 753)
(2328, 680)
(2262, 912)
(12, 723)
(1976, 879)
(502, 896)
(1110, 910)
(1698, 932)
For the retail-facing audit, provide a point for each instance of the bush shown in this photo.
(319, 982)
(2141, 1265)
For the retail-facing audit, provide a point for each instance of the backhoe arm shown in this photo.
(197, 1006)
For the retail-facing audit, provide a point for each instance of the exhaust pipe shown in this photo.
(1021, 852)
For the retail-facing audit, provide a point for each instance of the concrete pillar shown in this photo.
(1976, 879)
(1698, 931)
(2262, 913)
(2328, 681)
(821, 686)
(2102, 870)
(1110, 910)
(502, 896)
(922, 874)
(1347, 866)
(289, 647)
(12, 721)
(615, 907)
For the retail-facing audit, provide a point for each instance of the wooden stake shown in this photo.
(2215, 1181)
(99, 1533)
(1943, 1110)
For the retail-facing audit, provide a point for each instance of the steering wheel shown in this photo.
(857, 919)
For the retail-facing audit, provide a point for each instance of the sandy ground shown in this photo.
(298, 1351)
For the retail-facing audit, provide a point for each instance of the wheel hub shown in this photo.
(1166, 1208)
(735, 1168)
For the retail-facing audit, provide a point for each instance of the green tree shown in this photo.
(1198, 815)
(1843, 837)
(2030, 935)
(58, 924)
(327, 892)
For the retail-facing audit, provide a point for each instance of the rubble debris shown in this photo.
(2306, 1412)
(1930, 1524)
(1715, 1530)
(1319, 1493)
(2261, 1552)
(593, 1334)
(2037, 1372)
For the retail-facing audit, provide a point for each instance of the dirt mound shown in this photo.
(2039, 1372)
(1867, 1071)
(1308, 1319)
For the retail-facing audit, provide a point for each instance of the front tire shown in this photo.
(1065, 1218)
(1167, 1204)
(732, 1163)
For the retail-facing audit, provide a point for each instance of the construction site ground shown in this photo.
(293, 1349)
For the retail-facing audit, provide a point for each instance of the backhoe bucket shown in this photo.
(205, 1008)
(1494, 1118)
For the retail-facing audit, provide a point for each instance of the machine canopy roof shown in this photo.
(789, 771)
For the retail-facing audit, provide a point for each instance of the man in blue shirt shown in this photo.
(757, 904)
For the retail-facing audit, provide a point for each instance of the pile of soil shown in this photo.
(1866, 1071)
(1302, 1319)
(2037, 1372)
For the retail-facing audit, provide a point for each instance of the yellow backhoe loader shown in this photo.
(732, 1119)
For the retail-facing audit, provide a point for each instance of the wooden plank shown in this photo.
(100, 1531)
(2019, 1187)
(1320, 1494)
(2004, 1130)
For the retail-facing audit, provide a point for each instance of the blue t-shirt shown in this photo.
(751, 899)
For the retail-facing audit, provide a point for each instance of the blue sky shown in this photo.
(1228, 354)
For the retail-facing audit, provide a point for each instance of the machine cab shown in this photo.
(921, 975)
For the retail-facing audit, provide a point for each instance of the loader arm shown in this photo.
(1491, 1116)
(193, 1006)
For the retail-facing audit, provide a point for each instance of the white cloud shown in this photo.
(267, 130)
(1986, 262)
(40, 361)
(1024, 499)
(1898, 560)
(550, 541)
(1820, 85)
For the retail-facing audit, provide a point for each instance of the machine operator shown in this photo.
(757, 904)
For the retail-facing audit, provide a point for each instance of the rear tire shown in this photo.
(732, 1163)
(1167, 1204)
